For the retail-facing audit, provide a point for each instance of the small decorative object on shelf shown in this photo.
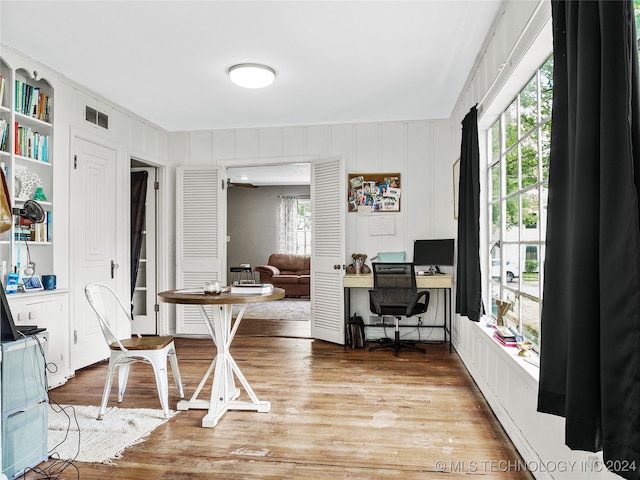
(503, 308)
(358, 266)
(28, 182)
(39, 195)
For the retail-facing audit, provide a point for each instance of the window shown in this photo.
(517, 170)
(303, 244)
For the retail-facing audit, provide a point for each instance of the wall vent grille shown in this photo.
(97, 118)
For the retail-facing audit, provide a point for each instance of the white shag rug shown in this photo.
(296, 310)
(98, 441)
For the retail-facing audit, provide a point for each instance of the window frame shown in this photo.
(530, 232)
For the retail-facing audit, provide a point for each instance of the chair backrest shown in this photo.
(94, 293)
(394, 275)
(394, 289)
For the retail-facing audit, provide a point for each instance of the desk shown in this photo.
(224, 392)
(439, 281)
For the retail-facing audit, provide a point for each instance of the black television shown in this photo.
(433, 254)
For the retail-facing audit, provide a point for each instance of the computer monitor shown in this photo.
(8, 330)
(433, 254)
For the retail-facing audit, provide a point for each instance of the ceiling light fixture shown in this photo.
(252, 75)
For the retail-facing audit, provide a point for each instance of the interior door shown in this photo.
(328, 200)
(145, 294)
(200, 233)
(93, 243)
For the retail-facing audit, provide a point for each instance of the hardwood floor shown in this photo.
(335, 413)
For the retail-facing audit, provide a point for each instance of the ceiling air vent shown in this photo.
(97, 118)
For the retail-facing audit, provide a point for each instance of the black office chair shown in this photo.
(395, 293)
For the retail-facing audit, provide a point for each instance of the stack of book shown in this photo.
(252, 288)
(505, 336)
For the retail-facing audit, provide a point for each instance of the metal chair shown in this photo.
(395, 293)
(149, 349)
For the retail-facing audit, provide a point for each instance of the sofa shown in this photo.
(288, 271)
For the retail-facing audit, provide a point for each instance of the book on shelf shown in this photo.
(2, 81)
(504, 342)
(255, 288)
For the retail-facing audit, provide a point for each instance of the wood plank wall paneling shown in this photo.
(335, 413)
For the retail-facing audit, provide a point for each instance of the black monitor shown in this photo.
(433, 253)
(8, 330)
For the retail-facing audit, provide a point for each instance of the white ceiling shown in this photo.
(337, 61)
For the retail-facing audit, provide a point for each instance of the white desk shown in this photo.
(222, 328)
(438, 281)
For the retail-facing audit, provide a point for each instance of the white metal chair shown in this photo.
(149, 349)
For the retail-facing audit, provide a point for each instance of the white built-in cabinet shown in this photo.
(50, 310)
(26, 155)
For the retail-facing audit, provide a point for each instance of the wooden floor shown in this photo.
(335, 413)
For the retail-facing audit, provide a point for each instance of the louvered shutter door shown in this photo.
(328, 207)
(198, 238)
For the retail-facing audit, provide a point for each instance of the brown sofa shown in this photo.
(288, 271)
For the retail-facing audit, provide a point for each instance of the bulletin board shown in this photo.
(374, 192)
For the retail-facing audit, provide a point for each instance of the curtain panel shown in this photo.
(288, 221)
(590, 332)
(468, 276)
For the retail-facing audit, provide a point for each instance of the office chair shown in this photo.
(395, 293)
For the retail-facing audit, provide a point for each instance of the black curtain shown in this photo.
(590, 341)
(469, 290)
(138, 210)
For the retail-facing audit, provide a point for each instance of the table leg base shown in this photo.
(210, 420)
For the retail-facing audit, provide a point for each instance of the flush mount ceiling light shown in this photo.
(252, 75)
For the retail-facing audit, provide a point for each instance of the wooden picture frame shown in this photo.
(373, 192)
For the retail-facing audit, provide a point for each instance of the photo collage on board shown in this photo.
(376, 193)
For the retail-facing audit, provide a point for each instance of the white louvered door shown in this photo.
(328, 200)
(200, 252)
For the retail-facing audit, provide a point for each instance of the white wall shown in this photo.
(128, 134)
(420, 150)
(520, 43)
(252, 222)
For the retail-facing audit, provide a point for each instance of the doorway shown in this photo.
(144, 235)
(253, 227)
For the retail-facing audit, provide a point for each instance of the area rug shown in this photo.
(76, 434)
(297, 310)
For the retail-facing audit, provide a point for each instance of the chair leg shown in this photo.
(159, 362)
(107, 388)
(398, 344)
(173, 358)
(123, 376)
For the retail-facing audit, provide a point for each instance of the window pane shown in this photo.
(512, 171)
(511, 123)
(512, 318)
(495, 222)
(544, 195)
(510, 265)
(495, 182)
(545, 148)
(529, 160)
(529, 267)
(512, 220)
(529, 106)
(530, 209)
(495, 141)
(495, 262)
(531, 320)
(546, 88)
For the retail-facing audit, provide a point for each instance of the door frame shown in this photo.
(162, 241)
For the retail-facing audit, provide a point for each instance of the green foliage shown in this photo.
(531, 266)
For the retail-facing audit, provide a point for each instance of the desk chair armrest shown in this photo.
(412, 305)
